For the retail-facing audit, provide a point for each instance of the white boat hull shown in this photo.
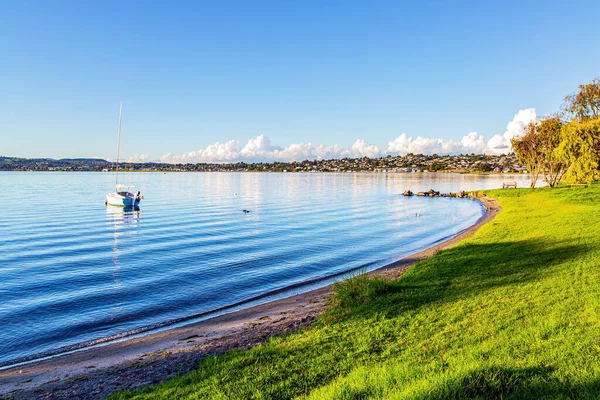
(121, 199)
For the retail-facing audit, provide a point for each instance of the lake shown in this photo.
(75, 273)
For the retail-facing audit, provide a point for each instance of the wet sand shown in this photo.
(96, 372)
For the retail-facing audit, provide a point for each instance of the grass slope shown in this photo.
(512, 312)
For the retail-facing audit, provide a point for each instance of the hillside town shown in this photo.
(410, 163)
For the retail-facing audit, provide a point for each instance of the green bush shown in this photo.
(359, 289)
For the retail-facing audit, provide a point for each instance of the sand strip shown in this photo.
(95, 373)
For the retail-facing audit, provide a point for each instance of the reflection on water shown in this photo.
(125, 220)
(123, 215)
(70, 278)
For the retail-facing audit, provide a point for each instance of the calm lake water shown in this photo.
(74, 272)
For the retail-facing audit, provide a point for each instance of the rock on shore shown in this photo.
(434, 193)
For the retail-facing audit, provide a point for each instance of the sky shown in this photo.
(228, 81)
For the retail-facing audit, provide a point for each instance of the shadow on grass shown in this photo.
(458, 273)
(509, 383)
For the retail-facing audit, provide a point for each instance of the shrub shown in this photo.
(359, 289)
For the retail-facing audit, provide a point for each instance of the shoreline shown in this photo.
(144, 360)
(456, 172)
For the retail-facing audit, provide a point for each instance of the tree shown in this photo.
(580, 150)
(528, 151)
(549, 137)
(537, 150)
(584, 104)
(580, 147)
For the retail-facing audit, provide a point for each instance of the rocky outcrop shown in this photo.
(434, 193)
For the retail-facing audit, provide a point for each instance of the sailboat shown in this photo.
(121, 197)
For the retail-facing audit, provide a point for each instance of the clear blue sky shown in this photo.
(330, 72)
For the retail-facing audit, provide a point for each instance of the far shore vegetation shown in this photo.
(466, 163)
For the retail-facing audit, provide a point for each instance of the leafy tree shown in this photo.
(580, 147)
(585, 103)
(538, 150)
(580, 150)
(549, 137)
(528, 151)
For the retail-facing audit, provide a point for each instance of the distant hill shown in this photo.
(85, 160)
(51, 164)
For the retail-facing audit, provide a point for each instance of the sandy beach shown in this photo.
(97, 372)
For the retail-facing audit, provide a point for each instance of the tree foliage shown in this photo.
(527, 149)
(580, 138)
(549, 139)
(557, 150)
(537, 150)
(584, 104)
(580, 150)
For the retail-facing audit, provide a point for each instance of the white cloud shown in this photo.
(499, 144)
(261, 146)
(261, 149)
(218, 152)
(360, 148)
(405, 144)
(471, 143)
(138, 158)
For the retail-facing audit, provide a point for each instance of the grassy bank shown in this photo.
(512, 312)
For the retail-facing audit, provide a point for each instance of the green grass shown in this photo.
(512, 312)
(358, 290)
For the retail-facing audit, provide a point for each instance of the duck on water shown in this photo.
(121, 197)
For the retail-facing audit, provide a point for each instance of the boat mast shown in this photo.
(119, 145)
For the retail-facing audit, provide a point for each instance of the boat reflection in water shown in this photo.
(125, 222)
(123, 216)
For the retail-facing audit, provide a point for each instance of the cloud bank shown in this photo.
(139, 158)
(471, 143)
(260, 148)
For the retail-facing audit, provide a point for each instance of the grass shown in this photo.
(358, 290)
(512, 312)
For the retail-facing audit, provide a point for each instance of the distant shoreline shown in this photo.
(291, 172)
(141, 360)
(410, 163)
